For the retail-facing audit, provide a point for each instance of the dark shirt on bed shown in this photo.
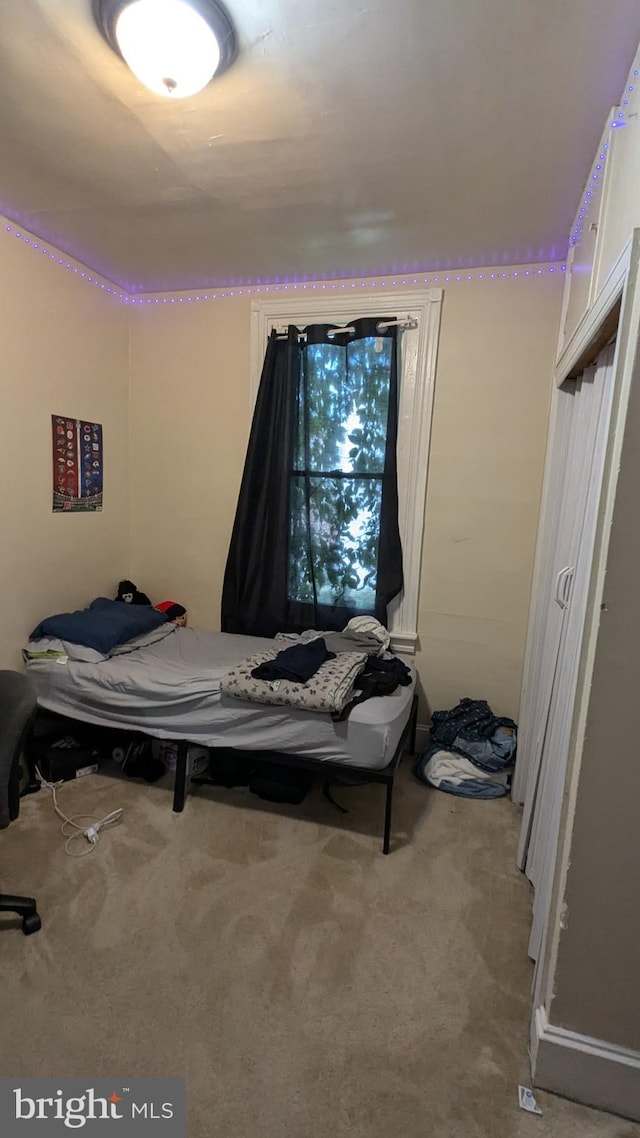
(297, 664)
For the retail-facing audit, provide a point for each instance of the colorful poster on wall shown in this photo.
(77, 465)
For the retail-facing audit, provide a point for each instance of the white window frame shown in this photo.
(418, 356)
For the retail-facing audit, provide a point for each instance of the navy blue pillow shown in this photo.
(103, 625)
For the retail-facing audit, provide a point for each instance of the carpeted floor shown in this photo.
(305, 985)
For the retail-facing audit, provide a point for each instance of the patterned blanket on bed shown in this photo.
(329, 689)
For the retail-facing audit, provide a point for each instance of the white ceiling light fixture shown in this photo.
(174, 47)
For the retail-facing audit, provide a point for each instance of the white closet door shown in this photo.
(573, 493)
(596, 390)
(556, 554)
(543, 637)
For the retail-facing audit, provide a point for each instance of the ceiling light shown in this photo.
(174, 47)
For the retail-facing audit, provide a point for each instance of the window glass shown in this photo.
(336, 481)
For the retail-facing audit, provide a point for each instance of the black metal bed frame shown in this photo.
(384, 775)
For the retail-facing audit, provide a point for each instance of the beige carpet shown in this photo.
(305, 985)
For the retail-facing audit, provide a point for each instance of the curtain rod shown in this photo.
(410, 322)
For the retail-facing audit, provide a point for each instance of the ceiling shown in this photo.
(349, 137)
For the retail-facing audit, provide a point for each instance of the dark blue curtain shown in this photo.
(315, 539)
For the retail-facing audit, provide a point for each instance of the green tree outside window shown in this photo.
(336, 478)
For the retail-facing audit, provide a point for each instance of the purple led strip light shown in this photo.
(344, 285)
(253, 290)
(42, 248)
(596, 176)
(594, 183)
(620, 120)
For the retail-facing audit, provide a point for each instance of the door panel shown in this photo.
(540, 660)
(582, 490)
(559, 545)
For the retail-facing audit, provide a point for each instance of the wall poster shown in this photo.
(77, 465)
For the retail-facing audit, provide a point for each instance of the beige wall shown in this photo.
(190, 418)
(66, 349)
(487, 452)
(63, 349)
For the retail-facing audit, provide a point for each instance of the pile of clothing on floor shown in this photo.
(471, 751)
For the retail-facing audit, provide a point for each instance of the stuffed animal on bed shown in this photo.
(131, 595)
(174, 612)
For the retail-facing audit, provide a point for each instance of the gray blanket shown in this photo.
(329, 689)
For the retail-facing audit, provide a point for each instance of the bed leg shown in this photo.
(387, 818)
(180, 784)
(414, 724)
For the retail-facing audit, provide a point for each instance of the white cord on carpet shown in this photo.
(90, 833)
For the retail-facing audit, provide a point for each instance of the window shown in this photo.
(347, 483)
(337, 474)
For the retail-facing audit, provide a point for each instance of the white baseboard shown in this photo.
(585, 1069)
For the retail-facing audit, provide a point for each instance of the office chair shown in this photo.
(17, 711)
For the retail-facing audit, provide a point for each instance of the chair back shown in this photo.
(17, 708)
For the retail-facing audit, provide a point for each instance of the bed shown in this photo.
(168, 686)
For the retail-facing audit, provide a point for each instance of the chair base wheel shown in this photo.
(31, 924)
